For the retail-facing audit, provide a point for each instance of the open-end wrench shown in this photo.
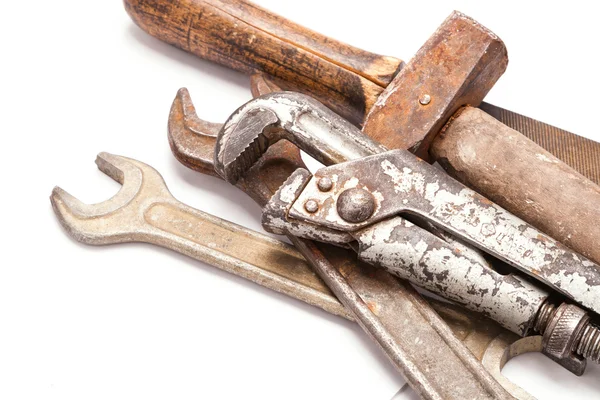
(145, 211)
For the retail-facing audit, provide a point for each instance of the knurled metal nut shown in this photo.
(563, 330)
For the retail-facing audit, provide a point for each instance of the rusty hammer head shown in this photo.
(457, 66)
(406, 105)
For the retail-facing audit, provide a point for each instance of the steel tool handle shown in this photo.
(248, 38)
(453, 271)
(523, 178)
(239, 251)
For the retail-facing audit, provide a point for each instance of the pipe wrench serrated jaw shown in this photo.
(298, 118)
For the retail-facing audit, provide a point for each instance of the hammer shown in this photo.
(426, 105)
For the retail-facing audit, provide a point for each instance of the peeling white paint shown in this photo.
(577, 283)
(288, 192)
(435, 266)
(405, 180)
(430, 190)
(408, 184)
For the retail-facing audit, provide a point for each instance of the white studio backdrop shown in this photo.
(135, 321)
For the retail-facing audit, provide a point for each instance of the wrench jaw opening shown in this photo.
(192, 140)
(251, 126)
(300, 119)
(248, 134)
(87, 223)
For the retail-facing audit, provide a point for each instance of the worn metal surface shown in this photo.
(588, 346)
(275, 212)
(407, 329)
(561, 336)
(457, 65)
(298, 118)
(437, 261)
(398, 245)
(355, 205)
(501, 350)
(414, 254)
(228, 246)
(441, 367)
(441, 266)
(581, 154)
(569, 336)
(205, 134)
(402, 183)
(145, 211)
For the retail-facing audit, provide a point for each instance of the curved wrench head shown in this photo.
(192, 139)
(251, 129)
(193, 143)
(298, 118)
(243, 140)
(110, 221)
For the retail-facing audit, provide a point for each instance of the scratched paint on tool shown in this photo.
(412, 253)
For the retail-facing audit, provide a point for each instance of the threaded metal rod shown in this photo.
(588, 345)
(544, 316)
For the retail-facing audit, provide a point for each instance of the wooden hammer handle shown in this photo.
(248, 38)
(523, 178)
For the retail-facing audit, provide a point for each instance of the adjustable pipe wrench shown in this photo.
(359, 203)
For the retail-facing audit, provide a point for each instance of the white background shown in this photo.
(135, 321)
